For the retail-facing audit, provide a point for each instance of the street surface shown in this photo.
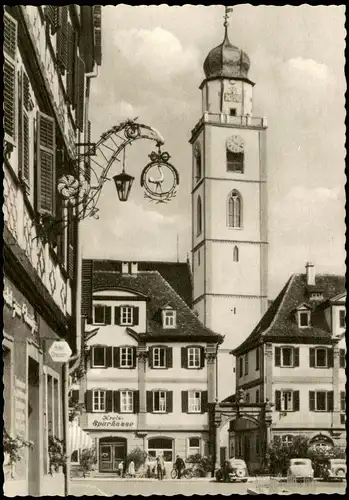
(110, 487)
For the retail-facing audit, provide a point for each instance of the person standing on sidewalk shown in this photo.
(180, 466)
(159, 467)
(131, 469)
(121, 468)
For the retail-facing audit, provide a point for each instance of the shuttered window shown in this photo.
(72, 38)
(10, 48)
(62, 39)
(23, 127)
(80, 93)
(321, 401)
(51, 13)
(46, 164)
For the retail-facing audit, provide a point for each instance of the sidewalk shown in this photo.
(131, 480)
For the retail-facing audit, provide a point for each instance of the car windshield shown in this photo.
(299, 462)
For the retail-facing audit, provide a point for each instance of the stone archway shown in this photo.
(248, 420)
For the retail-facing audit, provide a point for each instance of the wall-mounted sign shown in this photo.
(60, 351)
(19, 310)
(113, 421)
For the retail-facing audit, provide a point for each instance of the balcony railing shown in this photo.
(21, 225)
(224, 119)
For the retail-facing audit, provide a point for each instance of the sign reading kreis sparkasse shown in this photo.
(113, 421)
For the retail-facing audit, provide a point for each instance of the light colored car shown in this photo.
(234, 470)
(300, 468)
(336, 468)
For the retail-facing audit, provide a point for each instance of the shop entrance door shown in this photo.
(110, 455)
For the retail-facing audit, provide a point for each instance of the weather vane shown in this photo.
(228, 10)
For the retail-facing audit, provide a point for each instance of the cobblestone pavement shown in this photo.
(146, 487)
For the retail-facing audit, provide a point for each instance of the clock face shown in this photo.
(235, 144)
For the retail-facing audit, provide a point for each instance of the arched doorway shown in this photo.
(112, 450)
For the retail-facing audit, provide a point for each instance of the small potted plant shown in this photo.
(88, 461)
(206, 465)
(55, 453)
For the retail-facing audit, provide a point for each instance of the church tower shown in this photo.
(229, 206)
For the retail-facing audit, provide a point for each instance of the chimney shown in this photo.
(134, 267)
(124, 268)
(310, 272)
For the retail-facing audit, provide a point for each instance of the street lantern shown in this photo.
(123, 184)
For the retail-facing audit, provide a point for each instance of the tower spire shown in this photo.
(228, 10)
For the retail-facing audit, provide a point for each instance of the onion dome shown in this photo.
(227, 61)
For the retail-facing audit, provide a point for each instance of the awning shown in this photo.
(78, 438)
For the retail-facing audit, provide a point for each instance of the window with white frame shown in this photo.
(194, 401)
(169, 319)
(126, 401)
(287, 439)
(342, 318)
(320, 357)
(99, 401)
(98, 357)
(159, 357)
(194, 360)
(194, 446)
(286, 356)
(126, 315)
(304, 319)
(161, 447)
(286, 400)
(159, 401)
(99, 314)
(126, 357)
(320, 401)
(75, 457)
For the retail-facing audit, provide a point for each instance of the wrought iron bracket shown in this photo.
(91, 148)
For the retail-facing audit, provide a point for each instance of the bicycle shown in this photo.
(187, 473)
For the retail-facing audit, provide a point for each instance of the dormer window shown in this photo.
(304, 316)
(169, 318)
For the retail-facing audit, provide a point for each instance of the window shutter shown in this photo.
(117, 315)
(135, 401)
(202, 357)
(257, 358)
(184, 357)
(51, 13)
(184, 401)
(278, 400)
(135, 316)
(80, 93)
(151, 357)
(296, 356)
(330, 401)
(116, 396)
(277, 356)
(295, 400)
(46, 164)
(343, 401)
(330, 358)
(86, 290)
(107, 315)
(342, 358)
(169, 357)
(109, 357)
(89, 401)
(149, 401)
(62, 39)
(204, 401)
(169, 402)
(74, 396)
(311, 400)
(109, 401)
(10, 49)
(116, 357)
(71, 63)
(311, 357)
(134, 357)
(20, 124)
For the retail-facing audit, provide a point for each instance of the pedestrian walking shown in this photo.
(159, 468)
(131, 469)
(121, 468)
(180, 466)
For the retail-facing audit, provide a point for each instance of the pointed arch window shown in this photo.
(198, 162)
(235, 209)
(236, 254)
(199, 216)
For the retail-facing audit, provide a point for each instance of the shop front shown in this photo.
(112, 451)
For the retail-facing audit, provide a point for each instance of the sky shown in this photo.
(152, 69)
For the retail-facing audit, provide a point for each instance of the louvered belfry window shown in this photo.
(46, 164)
(62, 39)
(10, 48)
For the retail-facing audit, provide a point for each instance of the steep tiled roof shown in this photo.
(279, 320)
(177, 274)
(159, 292)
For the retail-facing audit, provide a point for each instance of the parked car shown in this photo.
(233, 470)
(300, 468)
(335, 468)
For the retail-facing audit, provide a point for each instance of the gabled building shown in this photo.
(50, 54)
(150, 363)
(295, 358)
